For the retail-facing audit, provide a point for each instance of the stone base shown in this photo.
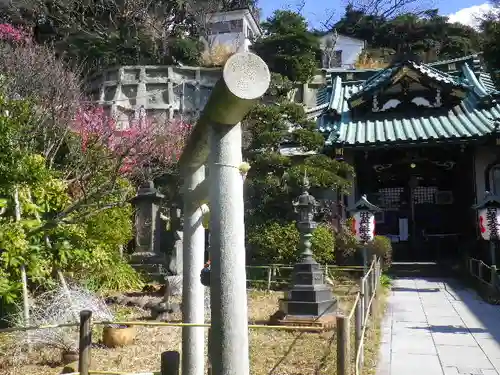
(321, 324)
(161, 312)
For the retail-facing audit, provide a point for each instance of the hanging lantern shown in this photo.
(488, 212)
(363, 225)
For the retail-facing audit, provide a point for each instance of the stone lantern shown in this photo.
(306, 207)
(309, 300)
(488, 212)
(363, 226)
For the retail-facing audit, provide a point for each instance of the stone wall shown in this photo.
(169, 91)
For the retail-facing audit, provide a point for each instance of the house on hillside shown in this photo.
(340, 51)
(234, 29)
(424, 139)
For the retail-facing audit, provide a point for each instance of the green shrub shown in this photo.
(385, 281)
(275, 243)
(323, 244)
(382, 247)
(346, 243)
(108, 272)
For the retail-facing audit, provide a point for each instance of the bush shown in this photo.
(346, 243)
(109, 272)
(382, 247)
(323, 244)
(347, 246)
(275, 243)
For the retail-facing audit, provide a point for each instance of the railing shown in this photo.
(275, 275)
(360, 312)
(482, 272)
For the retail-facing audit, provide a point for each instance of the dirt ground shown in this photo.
(271, 351)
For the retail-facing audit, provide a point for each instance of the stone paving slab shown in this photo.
(437, 327)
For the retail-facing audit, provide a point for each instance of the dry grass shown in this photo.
(374, 333)
(367, 62)
(216, 55)
(271, 351)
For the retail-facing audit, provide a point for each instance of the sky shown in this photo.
(316, 11)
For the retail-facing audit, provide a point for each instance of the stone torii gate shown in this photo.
(216, 142)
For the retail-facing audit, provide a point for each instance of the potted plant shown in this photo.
(118, 335)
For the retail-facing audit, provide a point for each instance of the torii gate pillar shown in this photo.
(217, 136)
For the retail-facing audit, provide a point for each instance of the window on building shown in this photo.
(225, 27)
(250, 34)
(332, 59)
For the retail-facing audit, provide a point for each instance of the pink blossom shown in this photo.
(11, 33)
(143, 144)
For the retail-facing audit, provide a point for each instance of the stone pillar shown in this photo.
(193, 307)
(147, 219)
(227, 246)
(217, 133)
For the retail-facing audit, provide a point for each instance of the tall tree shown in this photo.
(102, 33)
(288, 47)
(490, 27)
(422, 32)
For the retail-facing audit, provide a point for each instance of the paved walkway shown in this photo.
(436, 327)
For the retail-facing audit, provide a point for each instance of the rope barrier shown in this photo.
(353, 309)
(363, 331)
(151, 324)
(116, 373)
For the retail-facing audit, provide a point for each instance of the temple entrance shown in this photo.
(425, 194)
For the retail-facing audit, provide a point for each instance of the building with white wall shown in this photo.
(235, 29)
(340, 51)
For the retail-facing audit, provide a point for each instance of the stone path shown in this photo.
(436, 327)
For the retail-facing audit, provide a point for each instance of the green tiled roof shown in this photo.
(473, 118)
(463, 121)
(384, 76)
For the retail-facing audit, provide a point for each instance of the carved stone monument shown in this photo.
(147, 253)
(147, 219)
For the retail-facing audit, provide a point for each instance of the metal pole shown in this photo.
(358, 329)
(365, 259)
(193, 304)
(493, 277)
(227, 233)
(493, 253)
(85, 342)
(269, 277)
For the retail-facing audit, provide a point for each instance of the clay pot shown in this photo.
(118, 336)
(68, 357)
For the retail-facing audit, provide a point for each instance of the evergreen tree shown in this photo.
(275, 178)
(288, 47)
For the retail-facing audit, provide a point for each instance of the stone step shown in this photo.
(419, 269)
(146, 258)
(153, 277)
(148, 268)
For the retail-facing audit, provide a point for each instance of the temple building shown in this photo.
(424, 140)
